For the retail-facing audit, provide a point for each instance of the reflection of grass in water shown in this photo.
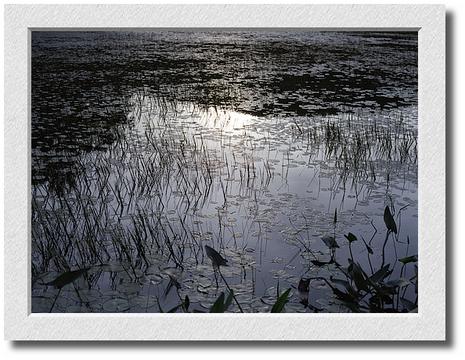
(120, 206)
(354, 146)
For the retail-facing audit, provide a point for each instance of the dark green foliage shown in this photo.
(320, 263)
(351, 237)
(389, 220)
(381, 274)
(221, 305)
(281, 302)
(408, 259)
(303, 285)
(186, 304)
(358, 276)
(376, 292)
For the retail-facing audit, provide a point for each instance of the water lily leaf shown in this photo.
(90, 294)
(281, 302)
(116, 305)
(408, 305)
(76, 309)
(175, 308)
(144, 301)
(130, 288)
(41, 304)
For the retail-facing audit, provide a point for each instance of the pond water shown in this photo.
(292, 154)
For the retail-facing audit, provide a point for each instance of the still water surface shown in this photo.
(147, 146)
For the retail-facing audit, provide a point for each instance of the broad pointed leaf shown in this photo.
(280, 302)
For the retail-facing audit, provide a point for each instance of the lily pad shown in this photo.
(116, 305)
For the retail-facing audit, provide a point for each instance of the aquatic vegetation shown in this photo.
(215, 257)
(281, 302)
(389, 221)
(221, 304)
(172, 199)
(141, 210)
(66, 278)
